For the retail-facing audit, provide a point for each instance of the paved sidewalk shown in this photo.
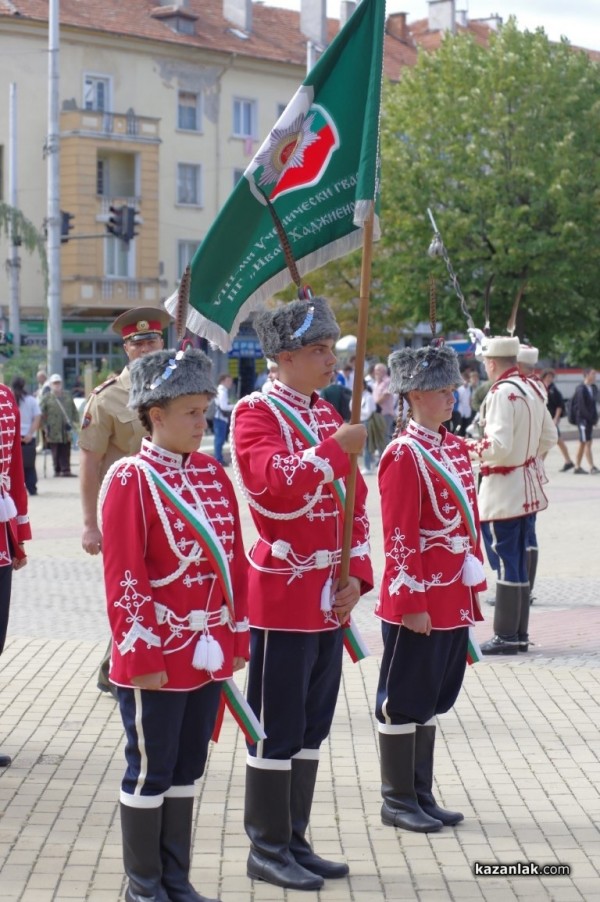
(519, 754)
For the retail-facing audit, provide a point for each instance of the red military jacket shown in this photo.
(426, 538)
(14, 520)
(161, 588)
(287, 477)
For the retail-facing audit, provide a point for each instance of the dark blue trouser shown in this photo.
(420, 675)
(220, 430)
(293, 684)
(506, 542)
(5, 589)
(167, 736)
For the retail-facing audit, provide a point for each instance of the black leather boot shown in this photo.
(304, 776)
(400, 806)
(524, 618)
(506, 621)
(141, 853)
(175, 850)
(532, 562)
(267, 820)
(424, 750)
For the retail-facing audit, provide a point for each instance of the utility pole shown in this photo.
(53, 220)
(14, 263)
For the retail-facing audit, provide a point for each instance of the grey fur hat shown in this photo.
(423, 369)
(295, 325)
(164, 375)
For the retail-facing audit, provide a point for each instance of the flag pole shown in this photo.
(357, 388)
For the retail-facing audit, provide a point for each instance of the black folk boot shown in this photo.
(506, 621)
(304, 776)
(175, 849)
(400, 806)
(140, 828)
(424, 751)
(267, 820)
(532, 563)
(523, 630)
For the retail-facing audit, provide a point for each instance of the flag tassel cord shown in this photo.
(357, 388)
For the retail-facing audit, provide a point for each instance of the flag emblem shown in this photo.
(296, 156)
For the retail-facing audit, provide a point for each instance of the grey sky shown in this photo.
(578, 20)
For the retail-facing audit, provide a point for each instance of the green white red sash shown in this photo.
(210, 542)
(454, 486)
(212, 547)
(293, 419)
(242, 713)
(474, 653)
(354, 643)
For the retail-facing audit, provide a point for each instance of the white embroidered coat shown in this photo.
(517, 431)
(426, 539)
(289, 485)
(157, 573)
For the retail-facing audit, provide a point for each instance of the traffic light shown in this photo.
(65, 225)
(115, 221)
(130, 221)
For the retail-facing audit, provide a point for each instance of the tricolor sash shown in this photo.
(243, 714)
(292, 419)
(204, 532)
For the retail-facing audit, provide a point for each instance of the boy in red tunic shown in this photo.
(429, 592)
(175, 575)
(290, 454)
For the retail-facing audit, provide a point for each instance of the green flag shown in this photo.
(319, 168)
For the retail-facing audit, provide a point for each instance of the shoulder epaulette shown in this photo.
(99, 388)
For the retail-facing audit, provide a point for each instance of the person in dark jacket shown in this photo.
(557, 406)
(585, 406)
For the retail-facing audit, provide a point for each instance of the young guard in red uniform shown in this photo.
(429, 592)
(175, 575)
(290, 455)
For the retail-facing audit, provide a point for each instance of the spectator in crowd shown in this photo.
(31, 417)
(272, 373)
(557, 406)
(59, 418)
(339, 396)
(223, 408)
(585, 417)
(384, 398)
(367, 409)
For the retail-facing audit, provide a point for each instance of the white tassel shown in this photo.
(472, 572)
(7, 508)
(326, 595)
(200, 658)
(215, 658)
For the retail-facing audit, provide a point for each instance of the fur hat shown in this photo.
(423, 369)
(528, 355)
(500, 346)
(165, 375)
(295, 325)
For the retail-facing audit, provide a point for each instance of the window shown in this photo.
(96, 93)
(185, 252)
(244, 118)
(119, 258)
(237, 175)
(189, 184)
(189, 111)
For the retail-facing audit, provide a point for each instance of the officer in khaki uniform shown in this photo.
(109, 429)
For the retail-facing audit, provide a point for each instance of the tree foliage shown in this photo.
(502, 143)
(14, 223)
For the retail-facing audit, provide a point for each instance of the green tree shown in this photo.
(26, 233)
(501, 142)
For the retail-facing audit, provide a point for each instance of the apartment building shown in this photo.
(162, 106)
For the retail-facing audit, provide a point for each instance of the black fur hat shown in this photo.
(423, 369)
(164, 375)
(295, 325)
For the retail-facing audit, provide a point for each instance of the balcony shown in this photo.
(121, 127)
